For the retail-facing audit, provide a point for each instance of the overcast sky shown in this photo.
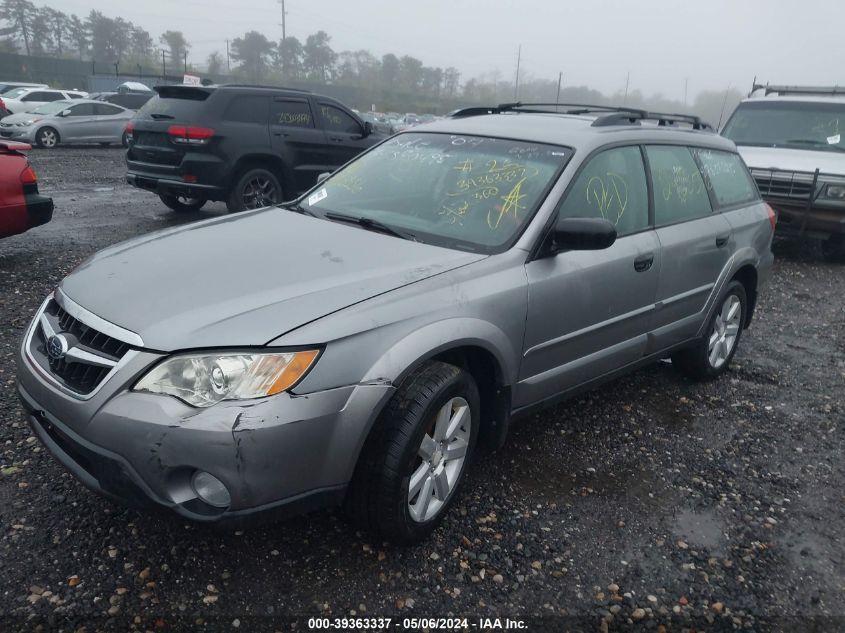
(712, 43)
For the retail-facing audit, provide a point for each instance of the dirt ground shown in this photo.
(653, 501)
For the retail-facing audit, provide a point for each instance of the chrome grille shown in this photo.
(794, 185)
(82, 357)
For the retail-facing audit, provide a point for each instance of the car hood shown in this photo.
(247, 279)
(788, 159)
(21, 117)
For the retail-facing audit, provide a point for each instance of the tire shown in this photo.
(833, 249)
(705, 361)
(124, 140)
(47, 138)
(395, 456)
(254, 189)
(182, 204)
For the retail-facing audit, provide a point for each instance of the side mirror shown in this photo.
(64, 113)
(323, 176)
(582, 234)
(368, 128)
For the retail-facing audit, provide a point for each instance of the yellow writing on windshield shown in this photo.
(511, 206)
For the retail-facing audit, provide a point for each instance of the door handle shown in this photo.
(722, 240)
(336, 139)
(643, 262)
(285, 134)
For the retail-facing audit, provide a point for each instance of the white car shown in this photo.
(27, 99)
(7, 86)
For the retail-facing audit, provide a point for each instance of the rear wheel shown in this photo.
(833, 249)
(124, 140)
(413, 464)
(256, 188)
(712, 355)
(182, 204)
(47, 138)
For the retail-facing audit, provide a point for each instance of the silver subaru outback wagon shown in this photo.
(356, 346)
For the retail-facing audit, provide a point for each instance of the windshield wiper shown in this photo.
(370, 225)
(298, 208)
(815, 143)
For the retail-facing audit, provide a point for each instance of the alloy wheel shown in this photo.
(259, 192)
(725, 331)
(48, 138)
(441, 458)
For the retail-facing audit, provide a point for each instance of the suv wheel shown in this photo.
(413, 464)
(47, 138)
(712, 355)
(255, 189)
(833, 249)
(182, 204)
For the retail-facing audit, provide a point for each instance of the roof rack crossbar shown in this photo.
(608, 115)
(798, 90)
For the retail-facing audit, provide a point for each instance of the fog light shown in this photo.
(210, 489)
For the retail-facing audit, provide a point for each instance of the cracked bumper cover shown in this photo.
(287, 454)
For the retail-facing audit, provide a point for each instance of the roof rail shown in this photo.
(799, 90)
(608, 115)
(265, 87)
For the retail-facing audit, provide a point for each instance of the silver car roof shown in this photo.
(575, 131)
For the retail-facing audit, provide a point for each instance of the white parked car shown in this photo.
(7, 86)
(27, 99)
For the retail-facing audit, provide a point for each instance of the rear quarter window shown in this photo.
(727, 177)
(679, 190)
(247, 109)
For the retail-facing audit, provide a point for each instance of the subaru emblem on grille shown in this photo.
(57, 347)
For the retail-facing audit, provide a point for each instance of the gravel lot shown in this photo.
(652, 502)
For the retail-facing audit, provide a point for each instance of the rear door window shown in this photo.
(291, 113)
(726, 176)
(247, 109)
(336, 120)
(611, 186)
(679, 190)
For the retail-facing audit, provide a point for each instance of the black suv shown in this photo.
(250, 146)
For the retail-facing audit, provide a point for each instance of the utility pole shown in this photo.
(228, 62)
(627, 82)
(559, 80)
(516, 83)
(163, 66)
(186, 62)
(686, 87)
(284, 13)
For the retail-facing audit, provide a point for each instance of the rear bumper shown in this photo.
(39, 209)
(174, 187)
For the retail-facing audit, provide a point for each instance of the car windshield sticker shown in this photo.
(834, 140)
(316, 197)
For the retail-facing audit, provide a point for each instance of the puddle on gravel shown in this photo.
(701, 529)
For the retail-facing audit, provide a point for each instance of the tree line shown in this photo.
(44, 31)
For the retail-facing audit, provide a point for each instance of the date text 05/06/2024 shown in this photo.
(410, 624)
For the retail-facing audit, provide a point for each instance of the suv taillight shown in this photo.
(190, 135)
(28, 176)
(773, 217)
(130, 129)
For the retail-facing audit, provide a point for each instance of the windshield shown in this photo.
(467, 192)
(14, 93)
(795, 124)
(51, 108)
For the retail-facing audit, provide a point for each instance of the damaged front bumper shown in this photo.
(285, 454)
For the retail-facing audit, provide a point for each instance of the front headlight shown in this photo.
(204, 380)
(837, 192)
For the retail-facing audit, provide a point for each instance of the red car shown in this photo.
(21, 206)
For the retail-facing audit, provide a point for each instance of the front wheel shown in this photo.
(413, 464)
(712, 355)
(833, 249)
(255, 189)
(182, 204)
(47, 138)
